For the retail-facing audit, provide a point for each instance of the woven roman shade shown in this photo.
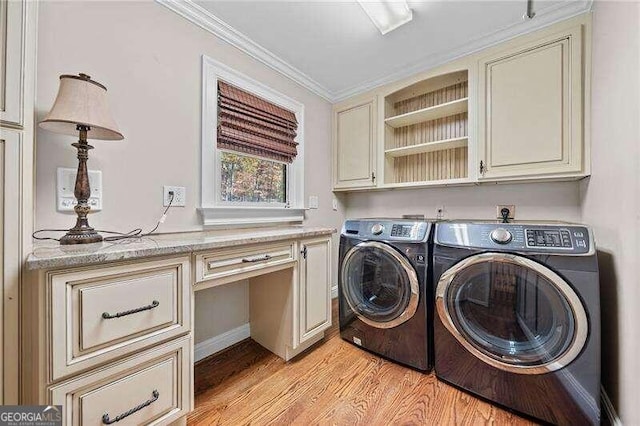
(250, 125)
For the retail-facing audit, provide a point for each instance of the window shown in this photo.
(245, 179)
(252, 151)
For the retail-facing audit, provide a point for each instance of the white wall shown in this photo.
(220, 309)
(610, 199)
(533, 201)
(150, 60)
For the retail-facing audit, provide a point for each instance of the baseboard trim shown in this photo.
(220, 342)
(334, 292)
(609, 409)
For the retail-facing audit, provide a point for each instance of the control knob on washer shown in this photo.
(501, 236)
(377, 229)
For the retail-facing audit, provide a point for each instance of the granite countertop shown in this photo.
(50, 254)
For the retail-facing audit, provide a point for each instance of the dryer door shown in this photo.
(512, 312)
(379, 284)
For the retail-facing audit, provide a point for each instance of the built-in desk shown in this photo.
(107, 328)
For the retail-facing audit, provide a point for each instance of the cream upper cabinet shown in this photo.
(354, 144)
(531, 98)
(315, 288)
(519, 110)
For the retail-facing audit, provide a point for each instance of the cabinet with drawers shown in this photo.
(113, 342)
(105, 340)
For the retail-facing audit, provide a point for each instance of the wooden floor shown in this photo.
(332, 383)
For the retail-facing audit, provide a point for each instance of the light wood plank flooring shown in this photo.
(333, 383)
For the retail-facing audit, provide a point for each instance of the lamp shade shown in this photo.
(82, 101)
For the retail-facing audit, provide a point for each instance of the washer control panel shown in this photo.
(543, 238)
(387, 229)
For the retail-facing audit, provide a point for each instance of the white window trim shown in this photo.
(213, 212)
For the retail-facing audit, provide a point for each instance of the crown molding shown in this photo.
(209, 22)
(543, 18)
(204, 19)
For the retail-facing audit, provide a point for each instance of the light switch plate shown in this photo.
(65, 184)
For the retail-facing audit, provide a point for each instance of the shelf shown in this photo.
(427, 86)
(427, 147)
(428, 114)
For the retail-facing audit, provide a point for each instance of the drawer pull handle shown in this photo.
(107, 421)
(107, 315)
(257, 259)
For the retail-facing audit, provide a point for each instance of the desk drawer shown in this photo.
(148, 389)
(238, 263)
(100, 314)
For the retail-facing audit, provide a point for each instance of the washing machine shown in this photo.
(384, 288)
(517, 317)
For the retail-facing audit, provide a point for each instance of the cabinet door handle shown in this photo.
(107, 421)
(107, 315)
(373, 177)
(256, 259)
(303, 252)
(483, 168)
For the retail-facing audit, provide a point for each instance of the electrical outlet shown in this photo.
(334, 204)
(179, 196)
(313, 201)
(440, 212)
(512, 210)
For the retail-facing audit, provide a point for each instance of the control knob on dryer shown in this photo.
(501, 236)
(377, 229)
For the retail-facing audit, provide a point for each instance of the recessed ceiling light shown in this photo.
(387, 15)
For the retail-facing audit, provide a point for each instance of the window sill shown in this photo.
(238, 216)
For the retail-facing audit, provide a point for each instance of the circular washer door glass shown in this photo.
(379, 284)
(514, 311)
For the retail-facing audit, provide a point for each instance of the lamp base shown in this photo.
(82, 233)
(86, 235)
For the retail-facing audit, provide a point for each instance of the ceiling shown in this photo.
(334, 49)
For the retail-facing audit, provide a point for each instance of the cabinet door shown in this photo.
(315, 288)
(12, 24)
(355, 145)
(531, 106)
(10, 259)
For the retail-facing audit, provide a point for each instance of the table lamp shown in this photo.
(81, 106)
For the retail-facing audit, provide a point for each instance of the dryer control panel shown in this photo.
(522, 237)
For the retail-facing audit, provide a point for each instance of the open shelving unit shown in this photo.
(426, 131)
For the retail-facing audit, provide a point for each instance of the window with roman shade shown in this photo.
(248, 124)
(252, 152)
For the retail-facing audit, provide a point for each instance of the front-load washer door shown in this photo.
(379, 284)
(512, 313)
